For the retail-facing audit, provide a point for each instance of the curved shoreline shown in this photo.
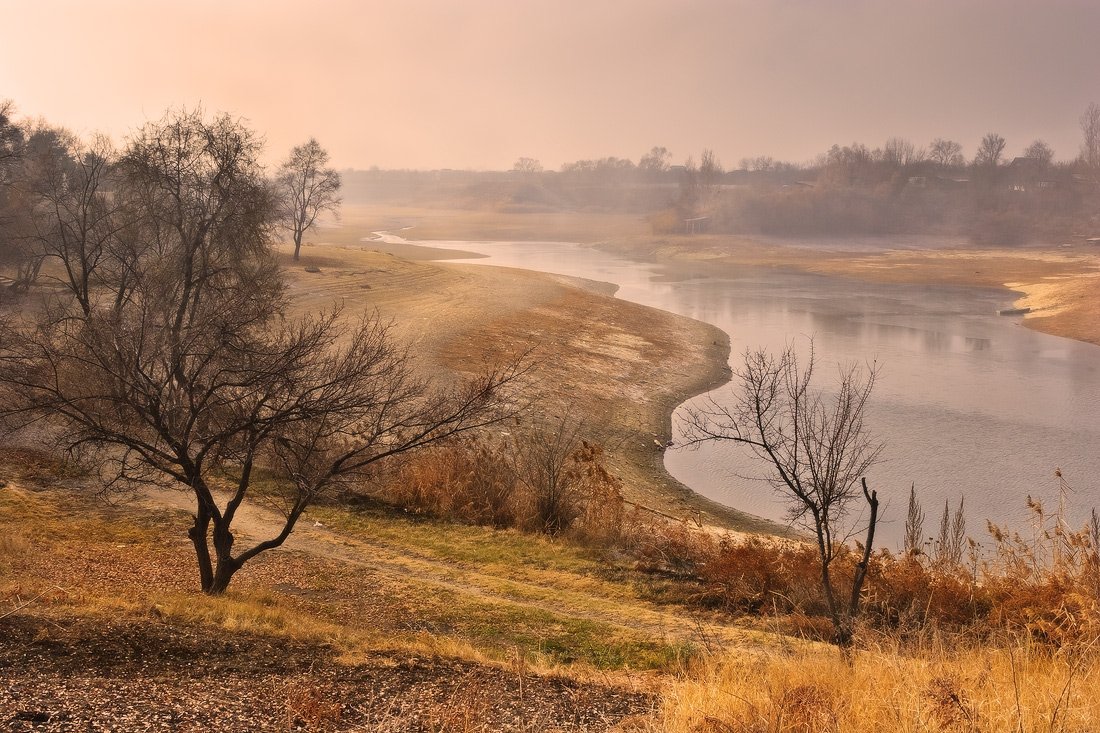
(623, 365)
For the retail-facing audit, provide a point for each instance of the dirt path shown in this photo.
(313, 539)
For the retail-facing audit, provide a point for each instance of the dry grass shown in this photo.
(813, 690)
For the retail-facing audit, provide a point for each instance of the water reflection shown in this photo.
(968, 403)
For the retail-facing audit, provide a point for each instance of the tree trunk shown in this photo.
(222, 575)
(297, 244)
(226, 565)
(198, 533)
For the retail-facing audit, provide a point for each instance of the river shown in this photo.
(968, 403)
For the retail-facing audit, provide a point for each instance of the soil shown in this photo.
(83, 675)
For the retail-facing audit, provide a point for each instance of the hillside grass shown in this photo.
(411, 586)
(472, 592)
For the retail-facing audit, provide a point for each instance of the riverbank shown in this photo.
(621, 368)
(1061, 284)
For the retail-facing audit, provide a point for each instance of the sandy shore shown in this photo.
(622, 367)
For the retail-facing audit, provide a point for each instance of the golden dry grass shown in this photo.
(815, 690)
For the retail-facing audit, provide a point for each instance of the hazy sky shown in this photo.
(478, 83)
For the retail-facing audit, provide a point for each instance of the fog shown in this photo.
(477, 84)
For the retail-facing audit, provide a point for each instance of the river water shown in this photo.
(968, 403)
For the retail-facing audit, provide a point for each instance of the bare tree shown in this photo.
(81, 218)
(527, 165)
(990, 150)
(11, 138)
(1041, 152)
(687, 201)
(192, 376)
(1090, 131)
(710, 177)
(544, 462)
(11, 152)
(761, 163)
(946, 153)
(899, 152)
(655, 162)
(308, 188)
(818, 449)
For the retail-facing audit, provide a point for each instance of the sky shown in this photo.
(476, 84)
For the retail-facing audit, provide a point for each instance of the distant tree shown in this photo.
(848, 165)
(81, 218)
(308, 189)
(1090, 130)
(527, 165)
(710, 177)
(687, 202)
(47, 161)
(1040, 151)
(946, 153)
(990, 150)
(11, 138)
(818, 450)
(761, 163)
(11, 154)
(655, 162)
(898, 152)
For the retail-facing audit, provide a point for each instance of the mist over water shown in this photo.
(968, 403)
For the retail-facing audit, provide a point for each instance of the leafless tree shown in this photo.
(761, 163)
(946, 153)
(710, 177)
(193, 376)
(527, 165)
(308, 189)
(81, 219)
(543, 462)
(1041, 152)
(655, 162)
(990, 150)
(1090, 131)
(11, 152)
(818, 448)
(899, 152)
(11, 138)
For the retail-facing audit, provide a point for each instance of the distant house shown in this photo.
(1024, 174)
(696, 224)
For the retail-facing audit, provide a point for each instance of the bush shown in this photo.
(541, 481)
(1043, 589)
(468, 480)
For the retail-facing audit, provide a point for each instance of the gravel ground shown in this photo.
(79, 675)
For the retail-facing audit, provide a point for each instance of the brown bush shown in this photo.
(468, 480)
(1044, 590)
(480, 480)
